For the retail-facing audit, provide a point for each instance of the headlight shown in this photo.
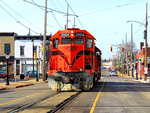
(58, 70)
(80, 69)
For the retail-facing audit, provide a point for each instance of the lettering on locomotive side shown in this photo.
(79, 34)
(64, 34)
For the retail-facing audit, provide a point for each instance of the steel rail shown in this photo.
(64, 103)
(30, 104)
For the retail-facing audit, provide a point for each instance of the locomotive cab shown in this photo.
(72, 61)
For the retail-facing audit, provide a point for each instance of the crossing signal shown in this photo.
(110, 48)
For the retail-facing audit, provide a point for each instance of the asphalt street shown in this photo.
(18, 97)
(113, 94)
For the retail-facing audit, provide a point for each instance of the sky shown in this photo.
(106, 20)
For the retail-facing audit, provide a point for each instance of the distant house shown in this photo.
(24, 54)
(7, 47)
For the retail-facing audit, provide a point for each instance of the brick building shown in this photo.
(7, 40)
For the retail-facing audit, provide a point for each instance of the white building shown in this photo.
(24, 54)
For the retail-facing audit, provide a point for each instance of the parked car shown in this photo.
(33, 74)
(3, 75)
(113, 72)
(103, 67)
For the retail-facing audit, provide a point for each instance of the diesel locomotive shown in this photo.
(74, 62)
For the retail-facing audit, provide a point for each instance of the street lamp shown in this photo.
(145, 64)
(7, 80)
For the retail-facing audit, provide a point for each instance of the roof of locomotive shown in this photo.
(69, 30)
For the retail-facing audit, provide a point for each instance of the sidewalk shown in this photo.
(134, 78)
(16, 83)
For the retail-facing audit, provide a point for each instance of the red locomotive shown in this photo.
(75, 61)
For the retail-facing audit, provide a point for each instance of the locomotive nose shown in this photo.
(70, 57)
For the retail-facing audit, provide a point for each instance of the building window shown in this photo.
(7, 49)
(21, 50)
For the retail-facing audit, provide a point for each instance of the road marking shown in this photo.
(12, 101)
(32, 95)
(20, 99)
(94, 104)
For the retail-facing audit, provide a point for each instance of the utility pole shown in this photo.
(131, 49)
(67, 16)
(127, 56)
(33, 55)
(44, 39)
(145, 77)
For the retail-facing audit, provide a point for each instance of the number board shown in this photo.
(79, 34)
(64, 34)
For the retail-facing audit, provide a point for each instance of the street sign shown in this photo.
(138, 59)
(118, 60)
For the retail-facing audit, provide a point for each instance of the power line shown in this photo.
(111, 8)
(56, 7)
(56, 19)
(49, 8)
(52, 14)
(75, 14)
(60, 5)
(17, 20)
(20, 15)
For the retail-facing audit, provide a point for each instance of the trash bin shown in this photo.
(21, 76)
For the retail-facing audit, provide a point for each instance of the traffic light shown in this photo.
(110, 48)
(122, 48)
(35, 56)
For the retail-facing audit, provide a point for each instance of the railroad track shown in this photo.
(61, 105)
(50, 104)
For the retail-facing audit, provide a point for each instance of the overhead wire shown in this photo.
(56, 20)
(49, 8)
(111, 8)
(18, 20)
(20, 15)
(75, 14)
(56, 7)
(60, 5)
(52, 14)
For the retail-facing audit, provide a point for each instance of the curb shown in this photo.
(2, 88)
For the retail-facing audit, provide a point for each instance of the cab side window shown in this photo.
(89, 43)
(55, 43)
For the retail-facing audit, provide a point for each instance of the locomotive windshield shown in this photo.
(89, 43)
(66, 41)
(55, 43)
(78, 41)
